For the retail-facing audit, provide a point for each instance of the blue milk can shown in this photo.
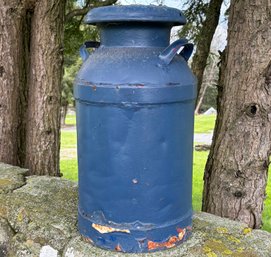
(135, 98)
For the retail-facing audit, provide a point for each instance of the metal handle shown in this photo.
(168, 54)
(84, 53)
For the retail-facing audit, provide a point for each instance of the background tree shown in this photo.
(203, 18)
(236, 171)
(31, 69)
(208, 96)
(31, 46)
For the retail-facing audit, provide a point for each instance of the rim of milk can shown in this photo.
(136, 13)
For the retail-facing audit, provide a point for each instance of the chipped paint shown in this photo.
(118, 248)
(181, 233)
(87, 240)
(105, 229)
(170, 243)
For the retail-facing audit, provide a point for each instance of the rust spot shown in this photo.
(170, 243)
(105, 229)
(118, 248)
(188, 228)
(94, 88)
(87, 239)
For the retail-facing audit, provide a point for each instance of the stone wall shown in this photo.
(38, 218)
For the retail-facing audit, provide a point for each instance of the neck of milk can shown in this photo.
(135, 35)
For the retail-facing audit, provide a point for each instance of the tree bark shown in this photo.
(31, 42)
(12, 78)
(236, 171)
(46, 68)
(205, 39)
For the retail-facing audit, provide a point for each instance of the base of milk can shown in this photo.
(135, 240)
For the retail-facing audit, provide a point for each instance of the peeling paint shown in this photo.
(105, 229)
(118, 248)
(87, 240)
(170, 243)
(181, 233)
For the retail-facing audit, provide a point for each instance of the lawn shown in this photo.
(203, 124)
(70, 119)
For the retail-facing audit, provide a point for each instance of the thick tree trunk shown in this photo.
(43, 116)
(11, 78)
(236, 170)
(205, 39)
(31, 39)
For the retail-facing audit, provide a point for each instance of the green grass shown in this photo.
(204, 123)
(68, 139)
(267, 206)
(199, 161)
(70, 119)
(69, 168)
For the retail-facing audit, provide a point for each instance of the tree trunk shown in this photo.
(204, 87)
(210, 77)
(64, 110)
(43, 115)
(205, 39)
(236, 171)
(11, 78)
(31, 39)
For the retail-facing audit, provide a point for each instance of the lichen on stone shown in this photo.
(38, 215)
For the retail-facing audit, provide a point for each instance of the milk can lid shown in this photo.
(136, 13)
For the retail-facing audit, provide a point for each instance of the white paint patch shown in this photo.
(48, 251)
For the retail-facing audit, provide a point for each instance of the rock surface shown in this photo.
(38, 218)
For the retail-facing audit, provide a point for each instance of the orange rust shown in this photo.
(189, 228)
(87, 239)
(170, 243)
(118, 248)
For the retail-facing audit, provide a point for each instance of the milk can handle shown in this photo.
(84, 53)
(168, 54)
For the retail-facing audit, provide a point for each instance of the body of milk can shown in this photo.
(135, 98)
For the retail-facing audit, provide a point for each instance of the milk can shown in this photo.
(135, 97)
